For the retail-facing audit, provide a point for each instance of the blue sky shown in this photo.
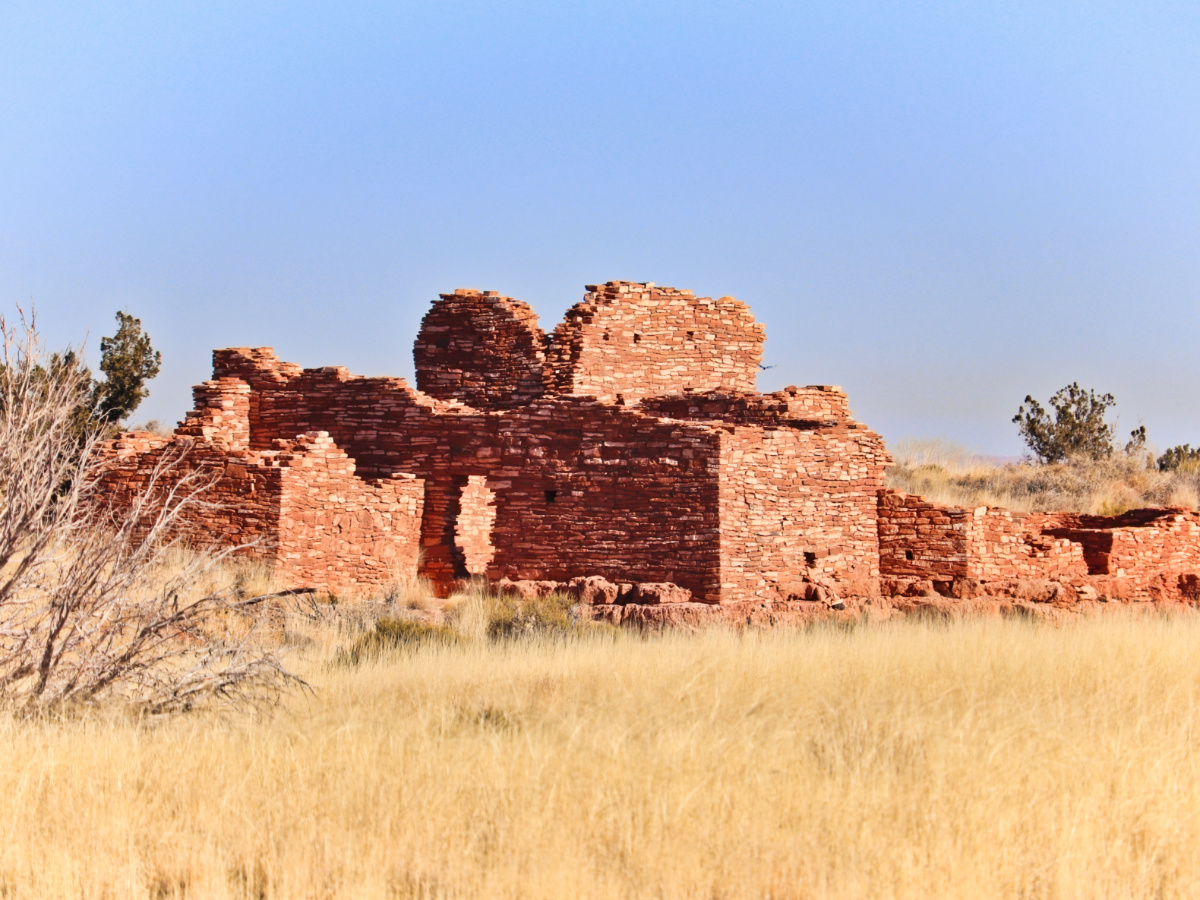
(940, 206)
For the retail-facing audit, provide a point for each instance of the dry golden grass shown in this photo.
(947, 473)
(985, 759)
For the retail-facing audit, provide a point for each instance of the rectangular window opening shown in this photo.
(908, 554)
(810, 558)
(551, 496)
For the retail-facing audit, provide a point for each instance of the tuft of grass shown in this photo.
(549, 616)
(481, 614)
(391, 635)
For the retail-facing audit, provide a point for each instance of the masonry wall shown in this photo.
(633, 340)
(299, 506)
(588, 489)
(241, 505)
(649, 493)
(1004, 545)
(919, 539)
(337, 531)
(481, 348)
(799, 505)
(634, 496)
(1145, 554)
(807, 408)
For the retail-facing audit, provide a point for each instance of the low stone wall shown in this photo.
(1149, 554)
(299, 506)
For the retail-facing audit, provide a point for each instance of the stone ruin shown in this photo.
(625, 457)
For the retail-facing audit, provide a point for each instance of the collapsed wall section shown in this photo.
(1144, 554)
(299, 506)
(923, 540)
(341, 532)
(807, 407)
(1148, 554)
(633, 340)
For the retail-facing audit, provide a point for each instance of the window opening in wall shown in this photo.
(443, 343)
(551, 496)
(606, 335)
(473, 519)
(810, 559)
(691, 335)
(908, 554)
(637, 338)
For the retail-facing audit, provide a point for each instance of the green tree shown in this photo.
(1077, 427)
(128, 361)
(1181, 458)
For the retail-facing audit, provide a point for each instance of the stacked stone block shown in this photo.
(630, 340)
(299, 506)
(481, 348)
(1148, 554)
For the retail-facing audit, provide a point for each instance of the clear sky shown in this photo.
(940, 206)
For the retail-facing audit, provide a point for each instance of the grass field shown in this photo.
(948, 473)
(982, 759)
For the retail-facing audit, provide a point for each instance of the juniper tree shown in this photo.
(128, 361)
(1077, 427)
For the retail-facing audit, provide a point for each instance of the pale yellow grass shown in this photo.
(948, 473)
(986, 759)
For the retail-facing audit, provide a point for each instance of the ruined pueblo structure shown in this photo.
(626, 457)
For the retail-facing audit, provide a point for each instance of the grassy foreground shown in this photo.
(984, 759)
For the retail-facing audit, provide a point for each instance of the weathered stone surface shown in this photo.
(625, 458)
(299, 505)
(527, 590)
(594, 590)
(655, 594)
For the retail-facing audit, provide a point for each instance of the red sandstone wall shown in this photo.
(589, 489)
(300, 506)
(480, 348)
(1150, 554)
(624, 483)
(918, 539)
(221, 416)
(638, 340)
(1145, 554)
(797, 407)
(239, 509)
(635, 492)
(337, 531)
(799, 504)
(1004, 545)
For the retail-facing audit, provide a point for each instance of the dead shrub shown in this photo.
(96, 603)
